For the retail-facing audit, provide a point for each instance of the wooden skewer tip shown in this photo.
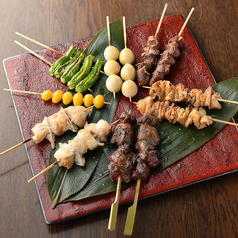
(43, 171)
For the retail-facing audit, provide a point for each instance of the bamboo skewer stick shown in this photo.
(186, 21)
(161, 19)
(124, 31)
(15, 146)
(20, 91)
(130, 219)
(108, 31)
(114, 207)
(225, 100)
(225, 122)
(43, 171)
(32, 52)
(38, 43)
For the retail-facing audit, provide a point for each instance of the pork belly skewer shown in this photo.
(92, 136)
(57, 124)
(147, 157)
(175, 114)
(122, 160)
(166, 91)
(150, 55)
(167, 57)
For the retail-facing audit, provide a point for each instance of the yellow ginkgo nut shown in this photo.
(88, 100)
(78, 99)
(57, 96)
(46, 95)
(67, 98)
(99, 101)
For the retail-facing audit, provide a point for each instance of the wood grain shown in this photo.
(207, 209)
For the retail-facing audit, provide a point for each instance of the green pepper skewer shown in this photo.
(63, 67)
(91, 78)
(62, 60)
(72, 69)
(82, 73)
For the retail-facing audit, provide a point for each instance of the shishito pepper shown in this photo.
(72, 69)
(63, 67)
(91, 78)
(62, 60)
(82, 73)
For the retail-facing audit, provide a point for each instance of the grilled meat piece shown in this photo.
(123, 134)
(146, 119)
(141, 171)
(126, 117)
(122, 164)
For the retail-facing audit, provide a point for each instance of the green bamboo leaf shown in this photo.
(63, 183)
(176, 142)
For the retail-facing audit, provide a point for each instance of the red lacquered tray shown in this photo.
(217, 157)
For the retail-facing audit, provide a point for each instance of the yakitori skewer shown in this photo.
(151, 54)
(165, 91)
(67, 97)
(38, 43)
(167, 57)
(112, 67)
(147, 157)
(57, 124)
(122, 160)
(128, 73)
(175, 114)
(92, 136)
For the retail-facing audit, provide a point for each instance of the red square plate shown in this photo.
(216, 157)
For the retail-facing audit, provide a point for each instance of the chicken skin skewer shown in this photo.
(166, 91)
(174, 114)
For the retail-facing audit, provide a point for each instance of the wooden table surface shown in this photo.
(206, 209)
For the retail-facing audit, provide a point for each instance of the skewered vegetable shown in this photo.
(64, 67)
(99, 101)
(78, 99)
(57, 96)
(46, 95)
(91, 78)
(62, 60)
(82, 73)
(72, 69)
(67, 98)
(88, 100)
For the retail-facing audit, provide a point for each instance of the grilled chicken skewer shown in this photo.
(150, 55)
(57, 124)
(166, 91)
(147, 157)
(122, 160)
(72, 152)
(174, 114)
(167, 57)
